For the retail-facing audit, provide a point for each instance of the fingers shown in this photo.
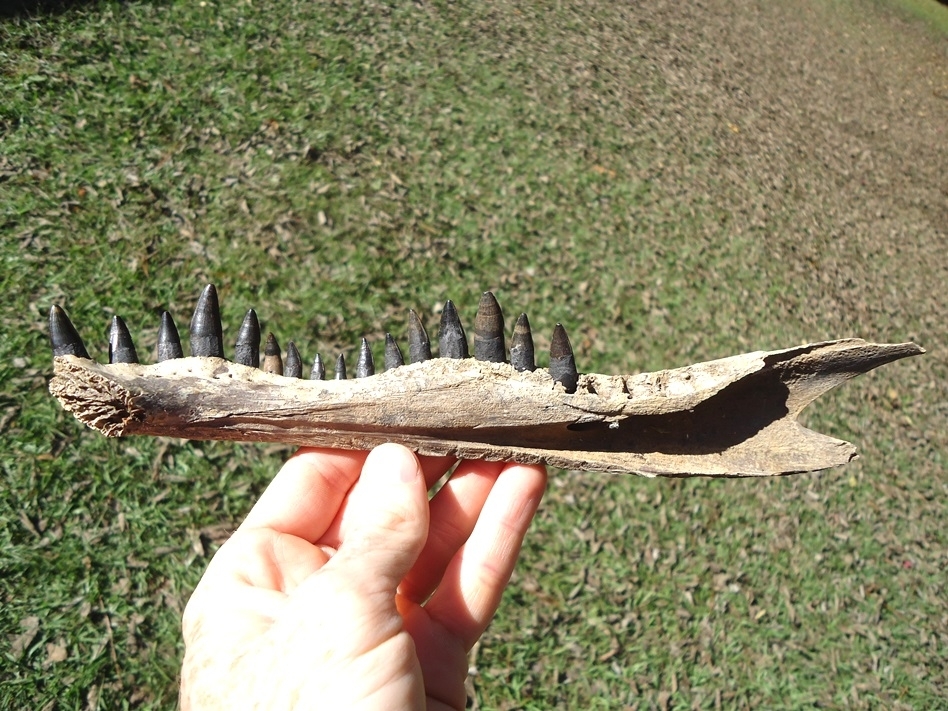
(454, 511)
(386, 521)
(470, 592)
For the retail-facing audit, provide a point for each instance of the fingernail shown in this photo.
(521, 346)
(293, 367)
(121, 348)
(206, 335)
(452, 341)
(272, 362)
(419, 347)
(365, 365)
(63, 335)
(562, 363)
(169, 342)
(247, 349)
(319, 370)
(393, 354)
(489, 331)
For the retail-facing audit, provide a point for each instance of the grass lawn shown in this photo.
(334, 164)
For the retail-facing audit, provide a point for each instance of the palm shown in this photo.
(282, 618)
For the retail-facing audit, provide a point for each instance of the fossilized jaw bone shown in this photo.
(731, 417)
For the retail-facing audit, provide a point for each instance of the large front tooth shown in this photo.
(207, 339)
(489, 342)
(293, 367)
(247, 349)
(341, 367)
(521, 345)
(452, 341)
(169, 342)
(63, 335)
(365, 366)
(121, 348)
(319, 370)
(419, 346)
(393, 354)
(562, 363)
(272, 362)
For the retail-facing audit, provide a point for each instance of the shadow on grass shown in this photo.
(36, 9)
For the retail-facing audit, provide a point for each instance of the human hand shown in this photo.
(344, 591)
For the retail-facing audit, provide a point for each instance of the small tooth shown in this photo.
(121, 348)
(341, 367)
(452, 342)
(272, 362)
(521, 345)
(247, 349)
(562, 363)
(169, 342)
(489, 331)
(419, 347)
(393, 354)
(206, 333)
(319, 370)
(293, 367)
(365, 366)
(63, 335)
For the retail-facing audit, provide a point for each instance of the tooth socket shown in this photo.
(169, 342)
(489, 342)
(247, 348)
(522, 356)
(272, 362)
(319, 369)
(293, 367)
(63, 335)
(207, 340)
(419, 346)
(121, 348)
(365, 365)
(562, 363)
(341, 367)
(452, 341)
(393, 354)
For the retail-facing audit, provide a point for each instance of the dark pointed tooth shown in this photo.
(562, 363)
(293, 367)
(63, 335)
(489, 331)
(207, 340)
(365, 366)
(319, 370)
(419, 347)
(393, 354)
(169, 342)
(452, 342)
(341, 367)
(521, 346)
(247, 349)
(272, 362)
(121, 348)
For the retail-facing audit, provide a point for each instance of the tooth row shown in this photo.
(206, 338)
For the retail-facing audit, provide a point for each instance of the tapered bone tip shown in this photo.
(247, 348)
(419, 345)
(452, 341)
(169, 342)
(522, 355)
(121, 348)
(365, 365)
(393, 354)
(562, 362)
(206, 330)
(340, 367)
(63, 336)
(489, 330)
(293, 367)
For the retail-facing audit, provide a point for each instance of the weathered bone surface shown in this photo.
(731, 417)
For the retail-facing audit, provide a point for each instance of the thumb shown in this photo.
(386, 520)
